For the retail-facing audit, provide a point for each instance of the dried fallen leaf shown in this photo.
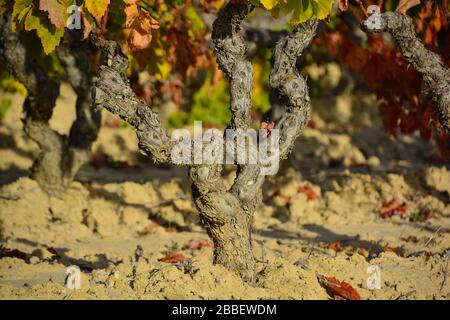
(391, 208)
(337, 289)
(335, 246)
(173, 258)
(308, 191)
(198, 244)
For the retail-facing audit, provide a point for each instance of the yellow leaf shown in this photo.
(269, 4)
(97, 7)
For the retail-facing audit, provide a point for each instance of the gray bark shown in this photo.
(226, 214)
(59, 159)
(434, 72)
(75, 56)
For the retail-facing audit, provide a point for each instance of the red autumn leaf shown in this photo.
(335, 246)
(392, 208)
(308, 191)
(337, 289)
(198, 244)
(173, 258)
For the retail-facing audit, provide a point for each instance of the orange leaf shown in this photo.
(337, 289)
(335, 246)
(173, 258)
(391, 208)
(139, 25)
(308, 191)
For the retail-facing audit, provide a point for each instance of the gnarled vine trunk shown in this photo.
(227, 214)
(433, 70)
(59, 157)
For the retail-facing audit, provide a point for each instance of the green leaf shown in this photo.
(322, 8)
(301, 10)
(27, 15)
(97, 7)
(50, 36)
(270, 4)
(21, 9)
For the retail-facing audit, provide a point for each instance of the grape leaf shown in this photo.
(97, 7)
(21, 9)
(139, 26)
(56, 11)
(49, 35)
(27, 15)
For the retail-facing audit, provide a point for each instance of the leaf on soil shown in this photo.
(308, 191)
(335, 246)
(391, 208)
(173, 258)
(337, 289)
(198, 244)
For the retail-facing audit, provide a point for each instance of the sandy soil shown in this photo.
(321, 216)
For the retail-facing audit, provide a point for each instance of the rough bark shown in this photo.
(112, 91)
(38, 108)
(291, 86)
(434, 72)
(226, 214)
(59, 158)
(75, 57)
